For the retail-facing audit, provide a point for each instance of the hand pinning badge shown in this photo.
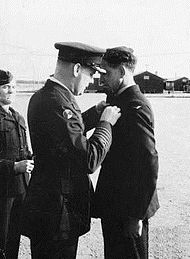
(67, 114)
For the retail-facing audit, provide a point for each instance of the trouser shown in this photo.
(10, 215)
(42, 248)
(118, 246)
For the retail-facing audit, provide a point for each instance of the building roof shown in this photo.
(175, 79)
(147, 72)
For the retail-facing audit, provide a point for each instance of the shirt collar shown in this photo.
(52, 78)
(123, 89)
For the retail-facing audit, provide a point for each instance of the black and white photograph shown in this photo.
(94, 129)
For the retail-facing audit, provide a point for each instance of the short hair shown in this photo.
(120, 55)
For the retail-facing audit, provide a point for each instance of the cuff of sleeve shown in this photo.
(103, 132)
(12, 164)
(105, 124)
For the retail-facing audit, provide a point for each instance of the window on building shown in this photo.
(146, 77)
(170, 84)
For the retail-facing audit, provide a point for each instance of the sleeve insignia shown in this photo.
(67, 114)
(137, 107)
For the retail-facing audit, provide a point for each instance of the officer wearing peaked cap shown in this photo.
(130, 170)
(57, 206)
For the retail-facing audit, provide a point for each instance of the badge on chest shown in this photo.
(67, 114)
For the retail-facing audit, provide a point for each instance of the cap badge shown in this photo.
(67, 114)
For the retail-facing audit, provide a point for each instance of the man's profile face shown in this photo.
(7, 93)
(111, 79)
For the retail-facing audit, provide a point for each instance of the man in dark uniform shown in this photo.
(57, 207)
(125, 194)
(15, 167)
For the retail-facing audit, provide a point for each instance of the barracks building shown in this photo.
(177, 84)
(149, 83)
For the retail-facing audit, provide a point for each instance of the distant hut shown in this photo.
(149, 82)
(186, 86)
(176, 84)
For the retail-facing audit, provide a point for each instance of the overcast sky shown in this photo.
(157, 30)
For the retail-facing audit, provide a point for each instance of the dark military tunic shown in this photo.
(126, 188)
(58, 201)
(13, 148)
(127, 182)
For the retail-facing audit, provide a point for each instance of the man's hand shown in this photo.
(101, 106)
(133, 228)
(24, 166)
(111, 114)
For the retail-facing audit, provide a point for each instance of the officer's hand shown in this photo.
(24, 166)
(111, 114)
(101, 106)
(133, 228)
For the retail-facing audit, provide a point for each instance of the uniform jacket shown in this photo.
(127, 182)
(13, 147)
(58, 200)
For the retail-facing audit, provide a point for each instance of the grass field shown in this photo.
(170, 227)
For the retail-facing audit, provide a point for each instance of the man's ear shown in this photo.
(122, 70)
(76, 69)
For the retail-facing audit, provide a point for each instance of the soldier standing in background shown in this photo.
(126, 194)
(57, 206)
(15, 167)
